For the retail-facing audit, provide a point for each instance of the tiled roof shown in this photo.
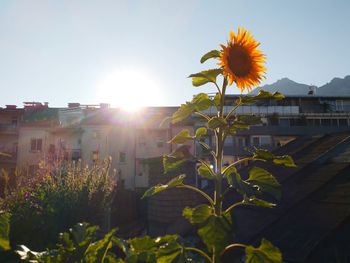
(315, 199)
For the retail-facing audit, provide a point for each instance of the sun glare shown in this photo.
(129, 89)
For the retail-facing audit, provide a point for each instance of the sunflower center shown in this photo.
(239, 61)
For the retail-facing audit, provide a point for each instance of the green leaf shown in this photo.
(203, 77)
(217, 100)
(210, 54)
(228, 172)
(258, 202)
(140, 244)
(198, 214)
(161, 187)
(262, 95)
(182, 152)
(181, 137)
(169, 252)
(217, 122)
(206, 172)
(4, 231)
(183, 112)
(171, 164)
(265, 253)
(201, 102)
(247, 119)
(201, 132)
(263, 154)
(216, 233)
(243, 187)
(284, 160)
(97, 251)
(266, 182)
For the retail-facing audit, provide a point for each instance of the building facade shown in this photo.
(91, 133)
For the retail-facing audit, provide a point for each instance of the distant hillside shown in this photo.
(285, 86)
(336, 87)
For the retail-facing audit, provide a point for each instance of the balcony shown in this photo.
(8, 156)
(8, 128)
(260, 110)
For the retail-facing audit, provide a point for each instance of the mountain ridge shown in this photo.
(336, 87)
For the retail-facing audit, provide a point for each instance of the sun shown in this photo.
(129, 89)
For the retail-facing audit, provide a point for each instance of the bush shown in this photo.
(58, 198)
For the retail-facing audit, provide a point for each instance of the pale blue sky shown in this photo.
(61, 51)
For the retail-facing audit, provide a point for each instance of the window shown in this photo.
(96, 134)
(339, 105)
(52, 149)
(229, 141)
(14, 121)
(256, 141)
(241, 142)
(326, 122)
(36, 144)
(284, 122)
(94, 156)
(160, 144)
(343, 122)
(122, 157)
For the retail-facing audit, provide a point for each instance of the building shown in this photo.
(92, 133)
(10, 119)
(285, 120)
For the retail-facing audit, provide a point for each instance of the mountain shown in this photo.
(285, 86)
(336, 87)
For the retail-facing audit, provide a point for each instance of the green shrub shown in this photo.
(56, 199)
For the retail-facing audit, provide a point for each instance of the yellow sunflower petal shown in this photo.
(241, 61)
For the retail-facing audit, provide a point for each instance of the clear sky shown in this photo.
(101, 51)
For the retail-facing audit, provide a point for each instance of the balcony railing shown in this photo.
(8, 156)
(8, 128)
(262, 110)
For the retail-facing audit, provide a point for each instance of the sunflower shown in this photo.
(241, 61)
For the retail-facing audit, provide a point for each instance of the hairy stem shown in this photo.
(185, 186)
(200, 252)
(233, 246)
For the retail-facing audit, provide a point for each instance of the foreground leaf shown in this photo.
(210, 54)
(266, 155)
(97, 251)
(206, 172)
(198, 214)
(201, 102)
(262, 95)
(201, 132)
(181, 137)
(161, 187)
(265, 253)
(172, 164)
(265, 180)
(4, 231)
(182, 152)
(204, 77)
(258, 202)
(216, 122)
(216, 233)
(183, 112)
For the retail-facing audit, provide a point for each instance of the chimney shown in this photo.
(312, 90)
(11, 107)
(74, 105)
(104, 106)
